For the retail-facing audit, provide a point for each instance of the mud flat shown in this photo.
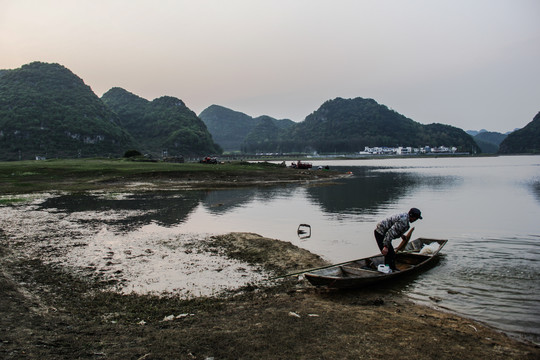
(75, 286)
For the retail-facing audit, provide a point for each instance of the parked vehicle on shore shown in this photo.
(301, 165)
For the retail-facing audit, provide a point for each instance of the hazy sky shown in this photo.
(469, 63)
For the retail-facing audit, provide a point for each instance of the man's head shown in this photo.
(414, 214)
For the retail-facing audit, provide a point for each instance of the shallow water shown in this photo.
(488, 208)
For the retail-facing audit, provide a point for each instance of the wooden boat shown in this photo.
(417, 254)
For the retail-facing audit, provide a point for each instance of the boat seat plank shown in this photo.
(357, 271)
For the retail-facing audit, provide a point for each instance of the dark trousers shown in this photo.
(390, 258)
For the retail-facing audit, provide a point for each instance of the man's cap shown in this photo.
(416, 213)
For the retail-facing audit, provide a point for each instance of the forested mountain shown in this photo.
(446, 135)
(349, 125)
(523, 141)
(230, 128)
(489, 141)
(281, 124)
(164, 124)
(266, 131)
(47, 111)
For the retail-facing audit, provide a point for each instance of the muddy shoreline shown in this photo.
(73, 288)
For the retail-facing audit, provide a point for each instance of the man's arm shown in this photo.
(405, 239)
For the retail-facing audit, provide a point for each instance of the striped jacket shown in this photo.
(393, 227)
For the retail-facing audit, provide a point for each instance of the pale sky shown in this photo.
(468, 63)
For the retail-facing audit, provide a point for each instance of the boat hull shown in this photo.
(417, 255)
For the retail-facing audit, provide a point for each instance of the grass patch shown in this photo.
(11, 201)
(19, 177)
(90, 174)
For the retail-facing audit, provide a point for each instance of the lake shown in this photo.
(487, 207)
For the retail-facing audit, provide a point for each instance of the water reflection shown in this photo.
(163, 208)
(222, 201)
(369, 190)
(365, 192)
(535, 189)
(372, 189)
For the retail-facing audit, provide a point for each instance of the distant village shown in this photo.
(407, 150)
(384, 150)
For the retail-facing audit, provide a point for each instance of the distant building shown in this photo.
(404, 150)
(407, 150)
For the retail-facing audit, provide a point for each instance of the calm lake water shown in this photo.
(488, 209)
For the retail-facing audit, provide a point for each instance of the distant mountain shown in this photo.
(342, 125)
(265, 134)
(509, 132)
(523, 141)
(47, 111)
(281, 124)
(349, 125)
(230, 128)
(475, 132)
(489, 141)
(487, 147)
(164, 124)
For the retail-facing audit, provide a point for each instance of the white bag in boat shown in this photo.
(429, 249)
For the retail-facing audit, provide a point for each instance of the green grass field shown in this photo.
(87, 174)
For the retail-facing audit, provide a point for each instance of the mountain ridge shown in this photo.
(48, 111)
(523, 141)
(163, 125)
(348, 125)
(230, 128)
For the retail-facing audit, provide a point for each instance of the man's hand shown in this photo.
(384, 250)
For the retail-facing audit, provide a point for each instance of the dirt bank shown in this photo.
(50, 312)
